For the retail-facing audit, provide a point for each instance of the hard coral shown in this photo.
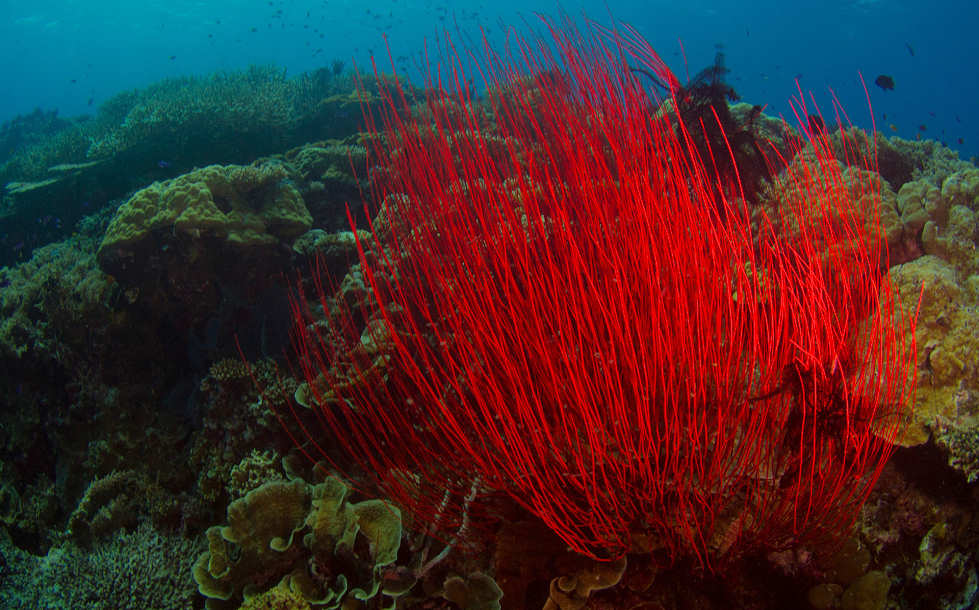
(141, 569)
(310, 539)
(239, 206)
(206, 245)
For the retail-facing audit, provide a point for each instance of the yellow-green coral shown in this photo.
(869, 592)
(308, 538)
(805, 188)
(254, 470)
(334, 525)
(239, 205)
(475, 592)
(948, 375)
(945, 218)
(571, 592)
(244, 556)
(280, 597)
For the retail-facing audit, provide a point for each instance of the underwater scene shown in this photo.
(408, 304)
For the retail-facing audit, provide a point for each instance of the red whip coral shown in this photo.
(570, 307)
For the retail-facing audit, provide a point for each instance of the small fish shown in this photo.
(162, 164)
(173, 57)
(893, 127)
(922, 127)
(91, 100)
(885, 82)
(909, 48)
(961, 141)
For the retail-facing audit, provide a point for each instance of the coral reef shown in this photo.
(132, 426)
(74, 423)
(110, 503)
(205, 250)
(331, 176)
(139, 569)
(943, 220)
(240, 436)
(310, 537)
(161, 131)
(499, 273)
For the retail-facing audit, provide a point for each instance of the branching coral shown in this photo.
(570, 311)
(139, 569)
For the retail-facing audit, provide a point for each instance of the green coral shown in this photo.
(198, 247)
(110, 503)
(308, 538)
(869, 592)
(332, 175)
(953, 231)
(475, 592)
(947, 397)
(241, 206)
(944, 217)
(141, 569)
(176, 110)
(571, 592)
(10, 504)
(331, 162)
(47, 302)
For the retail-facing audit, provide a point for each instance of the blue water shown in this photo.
(71, 55)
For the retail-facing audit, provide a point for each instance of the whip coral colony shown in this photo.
(571, 307)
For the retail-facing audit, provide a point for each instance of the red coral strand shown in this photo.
(565, 310)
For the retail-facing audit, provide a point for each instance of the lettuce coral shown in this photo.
(309, 539)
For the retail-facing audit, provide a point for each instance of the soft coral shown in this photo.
(571, 313)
